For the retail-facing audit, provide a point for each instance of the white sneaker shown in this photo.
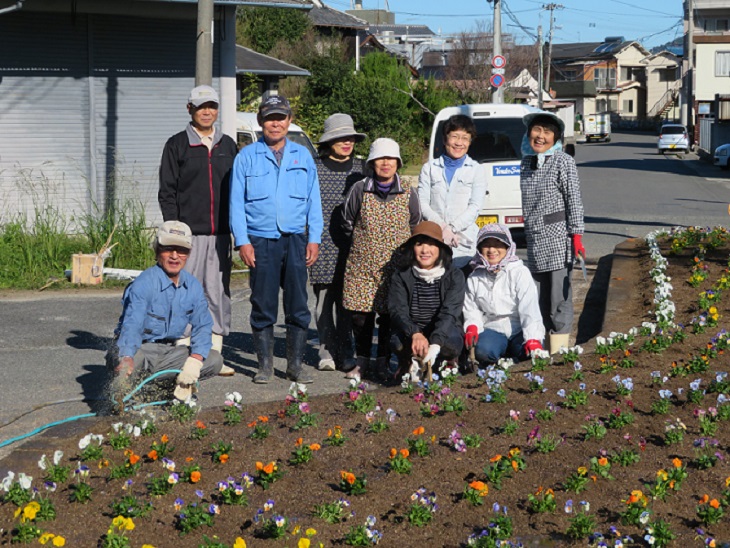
(226, 371)
(326, 364)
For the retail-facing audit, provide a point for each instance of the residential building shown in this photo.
(706, 70)
(267, 70)
(616, 76)
(90, 90)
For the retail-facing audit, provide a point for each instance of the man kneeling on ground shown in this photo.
(157, 307)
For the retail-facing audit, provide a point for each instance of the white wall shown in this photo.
(706, 83)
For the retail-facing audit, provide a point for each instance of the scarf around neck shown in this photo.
(542, 156)
(429, 275)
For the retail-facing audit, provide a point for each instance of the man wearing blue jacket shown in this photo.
(157, 307)
(276, 220)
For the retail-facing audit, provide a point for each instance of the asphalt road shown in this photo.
(52, 344)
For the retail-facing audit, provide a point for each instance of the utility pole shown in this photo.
(540, 66)
(552, 8)
(204, 44)
(688, 64)
(498, 94)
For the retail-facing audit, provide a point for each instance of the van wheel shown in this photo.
(608, 139)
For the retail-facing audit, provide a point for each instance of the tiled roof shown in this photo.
(325, 16)
(249, 61)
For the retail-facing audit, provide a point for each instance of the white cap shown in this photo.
(384, 148)
(203, 94)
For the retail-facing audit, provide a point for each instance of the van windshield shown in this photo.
(299, 138)
(498, 139)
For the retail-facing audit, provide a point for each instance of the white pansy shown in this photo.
(24, 480)
(7, 481)
(85, 441)
(116, 426)
(57, 456)
(42, 463)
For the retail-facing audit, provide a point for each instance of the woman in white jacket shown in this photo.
(501, 310)
(451, 189)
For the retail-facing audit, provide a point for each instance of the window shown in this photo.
(716, 25)
(498, 139)
(630, 74)
(628, 106)
(605, 78)
(667, 74)
(565, 75)
(722, 63)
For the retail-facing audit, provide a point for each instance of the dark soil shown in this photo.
(445, 471)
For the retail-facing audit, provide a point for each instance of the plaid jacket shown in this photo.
(553, 210)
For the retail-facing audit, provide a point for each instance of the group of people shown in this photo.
(373, 248)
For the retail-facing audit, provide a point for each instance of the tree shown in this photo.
(261, 28)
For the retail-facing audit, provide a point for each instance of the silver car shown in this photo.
(673, 137)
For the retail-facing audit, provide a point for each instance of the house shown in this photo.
(339, 24)
(267, 70)
(90, 90)
(617, 76)
(706, 70)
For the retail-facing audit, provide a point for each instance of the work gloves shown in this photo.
(578, 248)
(432, 354)
(471, 337)
(187, 378)
(450, 237)
(531, 345)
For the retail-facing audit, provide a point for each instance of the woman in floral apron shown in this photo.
(379, 213)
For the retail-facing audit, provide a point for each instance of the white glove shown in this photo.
(432, 354)
(187, 378)
(190, 372)
(449, 237)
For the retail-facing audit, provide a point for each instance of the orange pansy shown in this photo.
(194, 476)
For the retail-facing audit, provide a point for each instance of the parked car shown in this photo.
(722, 153)
(673, 137)
(248, 130)
(499, 137)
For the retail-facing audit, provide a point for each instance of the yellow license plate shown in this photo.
(486, 220)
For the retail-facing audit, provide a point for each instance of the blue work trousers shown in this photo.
(493, 345)
(280, 263)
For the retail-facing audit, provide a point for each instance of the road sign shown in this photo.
(496, 80)
(498, 61)
(497, 71)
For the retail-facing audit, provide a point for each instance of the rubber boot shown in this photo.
(296, 342)
(559, 340)
(217, 344)
(263, 342)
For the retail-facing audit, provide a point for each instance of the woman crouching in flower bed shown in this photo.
(501, 310)
(425, 301)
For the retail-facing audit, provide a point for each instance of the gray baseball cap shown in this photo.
(175, 233)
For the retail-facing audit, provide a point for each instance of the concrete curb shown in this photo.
(623, 285)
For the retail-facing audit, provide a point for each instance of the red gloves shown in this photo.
(532, 344)
(578, 248)
(471, 337)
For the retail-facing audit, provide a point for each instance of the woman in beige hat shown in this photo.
(425, 301)
(338, 170)
(379, 213)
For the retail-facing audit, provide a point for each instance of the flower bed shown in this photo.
(623, 442)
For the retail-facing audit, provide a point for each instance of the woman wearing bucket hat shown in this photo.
(553, 212)
(451, 188)
(338, 170)
(379, 213)
(501, 311)
(425, 300)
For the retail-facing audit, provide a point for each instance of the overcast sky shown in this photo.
(652, 22)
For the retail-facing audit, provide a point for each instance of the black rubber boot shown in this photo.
(263, 342)
(296, 342)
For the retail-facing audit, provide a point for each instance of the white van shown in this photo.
(248, 131)
(499, 138)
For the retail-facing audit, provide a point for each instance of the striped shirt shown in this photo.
(425, 302)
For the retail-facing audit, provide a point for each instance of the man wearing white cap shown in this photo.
(157, 307)
(195, 189)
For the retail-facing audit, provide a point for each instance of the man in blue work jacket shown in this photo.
(276, 220)
(157, 307)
